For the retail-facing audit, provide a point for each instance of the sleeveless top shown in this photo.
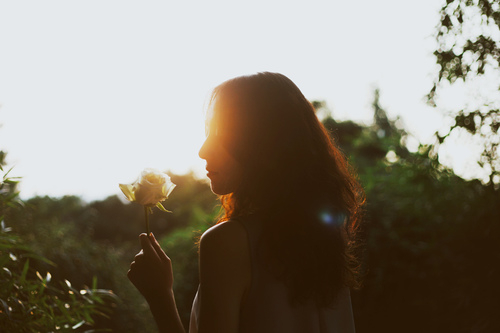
(266, 308)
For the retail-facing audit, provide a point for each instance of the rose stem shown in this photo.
(146, 213)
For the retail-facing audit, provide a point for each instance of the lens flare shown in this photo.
(331, 218)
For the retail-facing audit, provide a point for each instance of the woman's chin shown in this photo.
(219, 190)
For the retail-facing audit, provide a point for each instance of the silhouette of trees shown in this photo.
(430, 235)
(468, 37)
(99, 240)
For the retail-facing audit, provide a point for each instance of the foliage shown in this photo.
(484, 124)
(468, 37)
(367, 146)
(100, 239)
(429, 261)
(31, 302)
(431, 236)
(430, 250)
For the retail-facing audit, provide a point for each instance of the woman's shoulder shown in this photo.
(225, 258)
(230, 233)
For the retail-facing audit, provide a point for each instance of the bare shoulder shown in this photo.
(225, 268)
(231, 234)
(225, 254)
(225, 276)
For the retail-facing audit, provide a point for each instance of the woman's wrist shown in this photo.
(160, 298)
(164, 310)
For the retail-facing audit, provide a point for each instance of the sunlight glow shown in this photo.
(85, 106)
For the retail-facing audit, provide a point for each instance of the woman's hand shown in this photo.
(151, 274)
(151, 270)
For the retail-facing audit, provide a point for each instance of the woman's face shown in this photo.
(222, 169)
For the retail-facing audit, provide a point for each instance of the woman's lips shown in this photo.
(210, 174)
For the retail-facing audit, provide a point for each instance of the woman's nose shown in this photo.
(203, 150)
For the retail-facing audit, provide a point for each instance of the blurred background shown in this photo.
(93, 92)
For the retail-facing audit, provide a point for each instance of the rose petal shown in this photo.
(170, 187)
(151, 188)
(145, 196)
(128, 190)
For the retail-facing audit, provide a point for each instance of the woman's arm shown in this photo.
(151, 274)
(225, 274)
(343, 318)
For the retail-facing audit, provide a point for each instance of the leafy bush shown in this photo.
(32, 302)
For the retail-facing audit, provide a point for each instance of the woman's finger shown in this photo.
(159, 251)
(147, 247)
(132, 275)
(131, 269)
(139, 255)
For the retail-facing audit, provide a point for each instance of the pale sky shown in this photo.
(92, 92)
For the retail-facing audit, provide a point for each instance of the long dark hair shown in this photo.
(296, 179)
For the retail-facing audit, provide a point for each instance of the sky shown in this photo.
(92, 92)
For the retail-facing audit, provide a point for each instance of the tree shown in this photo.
(468, 37)
(366, 145)
(430, 236)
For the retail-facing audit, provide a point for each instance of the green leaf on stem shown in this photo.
(160, 207)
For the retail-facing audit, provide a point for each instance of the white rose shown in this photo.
(150, 189)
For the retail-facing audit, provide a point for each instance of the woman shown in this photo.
(281, 258)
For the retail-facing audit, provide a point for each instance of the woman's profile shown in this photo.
(281, 257)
